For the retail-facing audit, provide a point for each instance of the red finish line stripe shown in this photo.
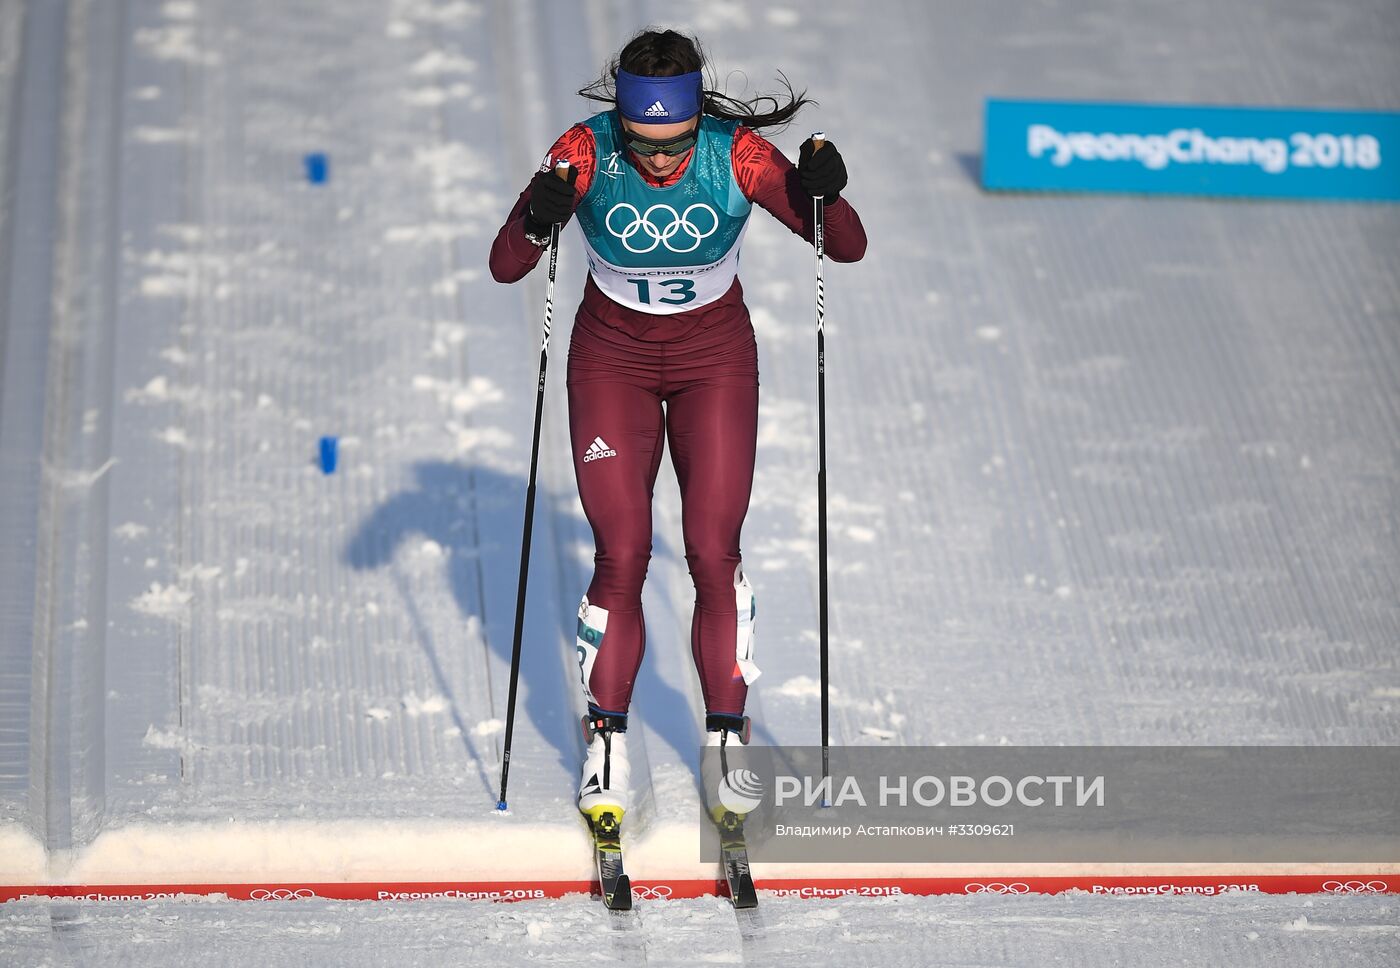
(1359, 884)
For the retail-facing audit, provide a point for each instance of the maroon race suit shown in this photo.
(637, 378)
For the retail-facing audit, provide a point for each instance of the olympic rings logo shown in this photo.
(1355, 887)
(662, 234)
(281, 894)
(657, 892)
(996, 887)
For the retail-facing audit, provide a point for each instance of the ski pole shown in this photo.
(562, 170)
(818, 229)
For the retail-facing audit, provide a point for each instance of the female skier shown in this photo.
(663, 183)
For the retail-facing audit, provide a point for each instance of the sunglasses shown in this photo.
(676, 146)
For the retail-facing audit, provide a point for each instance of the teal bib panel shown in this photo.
(664, 250)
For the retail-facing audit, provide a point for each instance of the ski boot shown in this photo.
(723, 791)
(603, 789)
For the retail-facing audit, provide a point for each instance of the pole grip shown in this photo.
(562, 169)
(818, 140)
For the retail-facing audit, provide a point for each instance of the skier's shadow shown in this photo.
(475, 515)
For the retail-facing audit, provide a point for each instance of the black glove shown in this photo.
(551, 200)
(823, 173)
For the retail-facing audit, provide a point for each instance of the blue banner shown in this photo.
(1191, 150)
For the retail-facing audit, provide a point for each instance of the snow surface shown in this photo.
(1072, 929)
(1103, 470)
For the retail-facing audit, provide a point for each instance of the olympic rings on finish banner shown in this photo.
(662, 234)
(997, 888)
(655, 892)
(1355, 887)
(281, 894)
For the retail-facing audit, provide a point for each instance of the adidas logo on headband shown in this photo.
(660, 99)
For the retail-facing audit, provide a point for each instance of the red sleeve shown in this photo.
(768, 179)
(512, 255)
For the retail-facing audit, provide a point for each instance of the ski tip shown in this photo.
(621, 897)
(501, 806)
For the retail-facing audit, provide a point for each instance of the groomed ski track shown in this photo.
(1103, 471)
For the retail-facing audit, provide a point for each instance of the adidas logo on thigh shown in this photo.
(598, 450)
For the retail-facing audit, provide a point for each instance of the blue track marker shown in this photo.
(318, 168)
(329, 447)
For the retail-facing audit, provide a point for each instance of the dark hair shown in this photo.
(666, 53)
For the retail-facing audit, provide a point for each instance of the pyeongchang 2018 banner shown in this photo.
(1191, 150)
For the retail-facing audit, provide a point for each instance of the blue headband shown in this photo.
(659, 100)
